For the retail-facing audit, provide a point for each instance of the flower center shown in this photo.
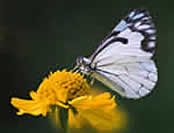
(63, 86)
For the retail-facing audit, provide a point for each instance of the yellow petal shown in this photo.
(93, 102)
(62, 105)
(54, 117)
(29, 106)
(98, 111)
(75, 120)
(33, 95)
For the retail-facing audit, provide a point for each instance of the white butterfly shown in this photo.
(123, 61)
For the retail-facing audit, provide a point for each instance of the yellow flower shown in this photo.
(71, 91)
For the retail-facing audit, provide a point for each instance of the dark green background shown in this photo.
(38, 36)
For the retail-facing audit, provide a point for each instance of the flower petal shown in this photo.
(93, 102)
(98, 111)
(29, 106)
(33, 95)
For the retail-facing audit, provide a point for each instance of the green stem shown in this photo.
(63, 115)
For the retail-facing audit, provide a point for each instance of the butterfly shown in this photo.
(123, 61)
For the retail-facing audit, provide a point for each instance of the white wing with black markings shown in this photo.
(124, 59)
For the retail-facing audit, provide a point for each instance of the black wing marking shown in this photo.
(139, 21)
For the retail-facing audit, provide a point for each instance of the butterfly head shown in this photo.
(84, 65)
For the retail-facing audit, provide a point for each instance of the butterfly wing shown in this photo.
(124, 59)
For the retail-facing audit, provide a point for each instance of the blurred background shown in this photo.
(37, 37)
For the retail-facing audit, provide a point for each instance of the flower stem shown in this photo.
(63, 115)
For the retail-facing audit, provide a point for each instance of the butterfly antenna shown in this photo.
(76, 69)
